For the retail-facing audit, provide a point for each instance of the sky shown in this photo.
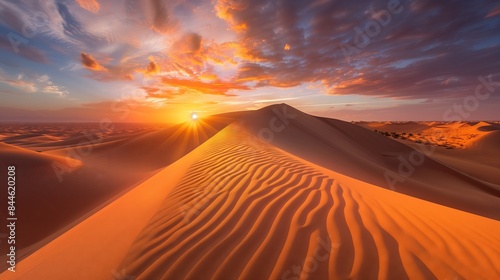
(162, 60)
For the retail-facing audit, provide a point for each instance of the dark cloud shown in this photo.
(191, 42)
(163, 20)
(407, 49)
(152, 68)
(89, 62)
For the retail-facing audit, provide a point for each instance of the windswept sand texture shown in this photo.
(310, 204)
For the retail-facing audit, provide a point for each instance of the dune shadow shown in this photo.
(491, 127)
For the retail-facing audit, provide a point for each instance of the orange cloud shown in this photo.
(216, 87)
(225, 10)
(223, 53)
(89, 5)
(195, 57)
(155, 92)
(188, 52)
(208, 77)
(349, 83)
(89, 62)
(240, 27)
(151, 69)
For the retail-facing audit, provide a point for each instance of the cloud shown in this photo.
(19, 83)
(162, 17)
(34, 84)
(51, 89)
(154, 92)
(494, 12)
(112, 72)
(422, 45)
(216, 87)
(226, 9)
(428, 50)
(89, 62)
(190, 43)
(152, 68)
(188, 53)
(89, 5)
(39, 22)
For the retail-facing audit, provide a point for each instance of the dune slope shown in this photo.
(306, 205)
(242, 213)
(86, 168)
(368, 156)
(229, 210)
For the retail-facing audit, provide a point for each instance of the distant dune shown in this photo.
(472, 148)
(279, 194)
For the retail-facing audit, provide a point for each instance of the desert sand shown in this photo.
(213, 199)
(470, 147)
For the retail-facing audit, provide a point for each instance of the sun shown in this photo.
(194, 116)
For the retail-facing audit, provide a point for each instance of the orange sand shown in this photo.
(311, 204)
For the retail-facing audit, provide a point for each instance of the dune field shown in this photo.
(223, 198)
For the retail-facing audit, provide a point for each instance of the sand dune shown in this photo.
(489, 142)
(273, 211)
(93, 248)
(469, 147)
(29, 159)
(310, 203)
(452, 135)
(230, 210)
(79, 172)
(368, 156)
(236, 228)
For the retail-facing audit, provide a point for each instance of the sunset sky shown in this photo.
(160, 61)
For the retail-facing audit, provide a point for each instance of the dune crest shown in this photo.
(246, 210)
(238, 207)
(274, 212)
